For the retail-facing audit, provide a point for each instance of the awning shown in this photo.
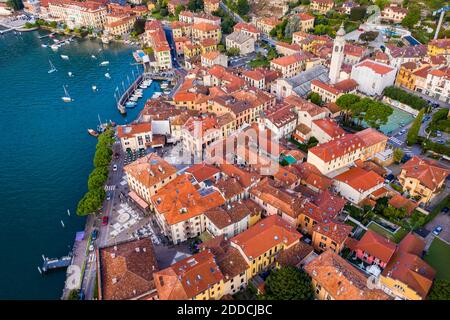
(138, 200)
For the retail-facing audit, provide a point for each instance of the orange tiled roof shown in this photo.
(340, 279)
(264, 235)
(336, 148)
(377, 246)
(203, 171)
(179, 200)
(330, 127)
(375, 67)
(150, 170)
(128, 131)
(398, 201)
(189, 277)
(429, 172)
(371, 136)
(407, 266)
(126, 269)
(360, 179)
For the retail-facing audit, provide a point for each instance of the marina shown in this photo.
(55, 166)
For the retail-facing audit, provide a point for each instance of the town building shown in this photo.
(334, 278)
(209, 59)
(266, 24)
(161, 58)
(289, 66)
(407, 276)
(180, 208)
(321, 6)
(210, 6)
(136, 136)
(241, 41)
(337, 56)
(228, 220)
(248, 29)
(194, 278)
(77, 14)
(373, 77)
(423, 178)
(147, 175)
(203, 30)
(357, 184)
(394, 13)
(306, 21)
(260, 244)
(331, 92)
(125, 271)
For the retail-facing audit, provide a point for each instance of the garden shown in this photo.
(438, 256)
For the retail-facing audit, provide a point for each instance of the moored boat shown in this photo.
(92, 132)
(104, 63)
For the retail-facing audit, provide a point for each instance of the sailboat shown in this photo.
(64, 57)
(52, 67)
(66, 97)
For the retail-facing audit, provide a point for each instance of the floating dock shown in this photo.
(55, 263)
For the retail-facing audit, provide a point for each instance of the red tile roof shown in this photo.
(376, 246)
(202, 171)
(379, 68)
(430, 173)
(359, 179)
(264, 235)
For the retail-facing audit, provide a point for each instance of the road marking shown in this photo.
(110, 188)
(396, 141)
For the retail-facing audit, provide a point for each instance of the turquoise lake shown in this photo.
(46, 150)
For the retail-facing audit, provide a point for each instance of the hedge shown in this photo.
(407, 98)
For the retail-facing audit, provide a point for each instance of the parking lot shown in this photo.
(443, 220)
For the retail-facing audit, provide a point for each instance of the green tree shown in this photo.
(15, 4)
(178, 9)
(195, 5)
(377, 114)
(381, 3)
(103, 156)
(139, 26)
(232, 52)
(412, 17)
(346, 101)
(242, 7)
(357, 13)
(398, 155)
(288, 283)
(97, 178)
(368, 36)
(74, 295)
(413, 131)
(91, 201)
(315, 98)
(440, 290)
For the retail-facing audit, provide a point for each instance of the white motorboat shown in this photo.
(66, 97)
(93, 57)
(70, 74)
(107, 75)
(63, 56)
(94, 88)
(104, 63)
(54, 47)
(44, 45)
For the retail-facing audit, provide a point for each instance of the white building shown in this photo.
(134, 137)
(242, 41)
(373, 77)
(357, 184)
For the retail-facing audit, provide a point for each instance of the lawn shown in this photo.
(396, 237)
(438, 256)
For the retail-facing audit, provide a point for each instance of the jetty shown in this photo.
(136, 83)
(55, 263)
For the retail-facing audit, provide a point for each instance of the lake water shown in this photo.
(46, 150)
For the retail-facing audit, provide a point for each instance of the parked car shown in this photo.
(440, 141)
(115, 167)
(108, 196)
(445, 210)
(438, 134)
(91, 247)
(94, 234)
(105, 220)
(437, 230)
(390, 177)
(405, 158)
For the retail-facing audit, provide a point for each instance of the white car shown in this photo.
(115, 167)
(91, 247)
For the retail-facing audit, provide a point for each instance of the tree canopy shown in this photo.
(412, 17)
(413, 132)
(440, 290)
(288, 283)
(374, 113)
